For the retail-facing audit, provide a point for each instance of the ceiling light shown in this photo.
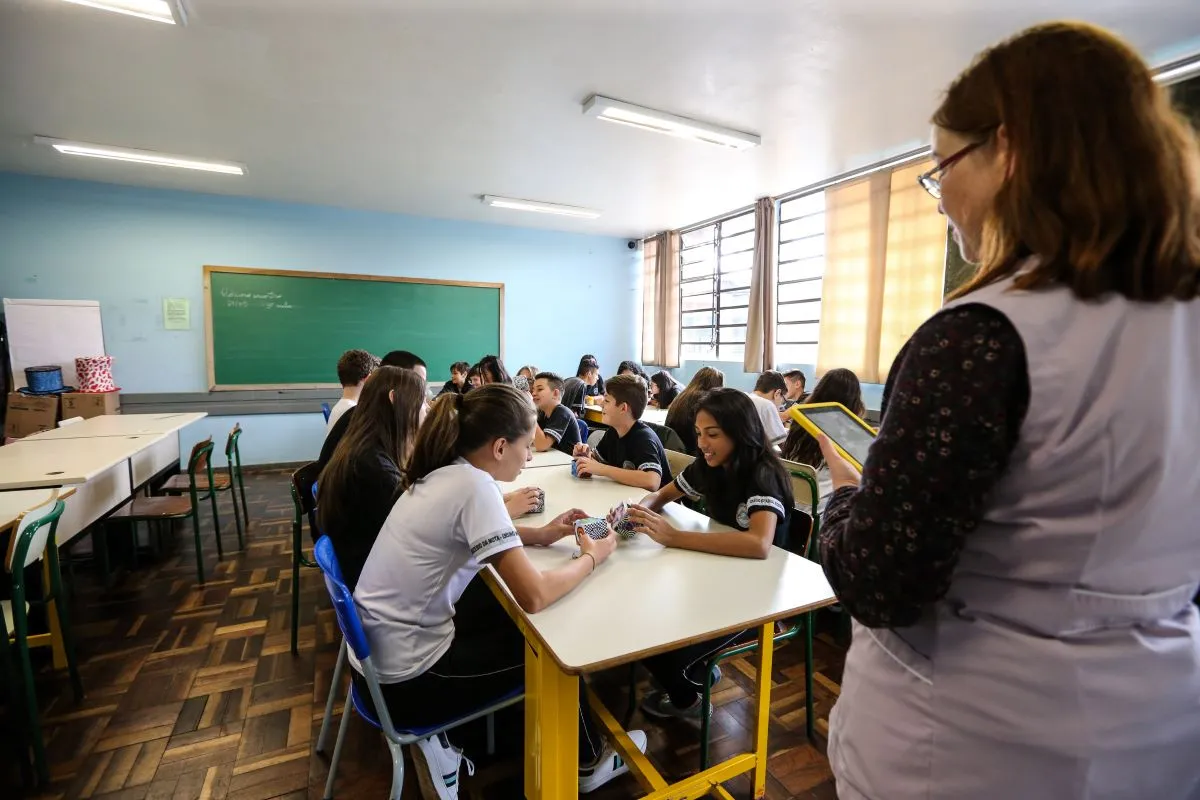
(141, 156)
(168, 11)
(623, 113)
(1178, 71)
(540, 208)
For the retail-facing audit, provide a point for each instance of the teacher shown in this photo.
(1021, 551)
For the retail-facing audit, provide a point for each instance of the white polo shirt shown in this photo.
(437, 537)
(769, 415)
(340, 407)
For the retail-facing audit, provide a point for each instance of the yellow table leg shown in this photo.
(762, 703)
(58, 652)
(551, 729)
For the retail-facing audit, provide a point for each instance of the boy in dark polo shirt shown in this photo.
(631, 452)
(556, 426)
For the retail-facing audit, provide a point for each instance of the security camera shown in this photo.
(632, 244)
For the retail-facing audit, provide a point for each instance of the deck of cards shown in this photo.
(593, 527)
(621, 522)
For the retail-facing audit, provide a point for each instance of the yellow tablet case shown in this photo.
(811, 427)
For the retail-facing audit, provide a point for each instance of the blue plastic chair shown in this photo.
(583, 430)
(325, 409)
(354, 636)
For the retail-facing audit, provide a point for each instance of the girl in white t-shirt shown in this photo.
(441, 643)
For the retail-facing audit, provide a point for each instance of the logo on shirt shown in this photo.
(629, 465)
(742, 517)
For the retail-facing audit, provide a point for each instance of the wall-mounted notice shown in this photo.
(176, 314)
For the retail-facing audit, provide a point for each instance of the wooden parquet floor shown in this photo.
(192, 691)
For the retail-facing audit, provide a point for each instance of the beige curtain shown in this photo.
(660, 300)
(884, 263)
(760, 317)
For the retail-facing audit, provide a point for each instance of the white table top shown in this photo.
(33, 464)
(13, 504)
(121, 425)
(656, 415)
(648, 599)
(549, 458)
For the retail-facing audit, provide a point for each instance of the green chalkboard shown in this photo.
(277, 329)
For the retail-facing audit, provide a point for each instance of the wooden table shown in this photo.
(670, 597)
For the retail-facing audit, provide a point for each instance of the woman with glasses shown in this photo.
(1021, 550)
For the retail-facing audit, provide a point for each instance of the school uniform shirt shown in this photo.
(732, 504)
(436, 538)
(768, 412)
(450, 387)
(335, 413)
(560, 425)
(575, 390)
(369, 489)
(640, 449)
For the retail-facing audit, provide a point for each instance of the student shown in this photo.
(474, 378)
(631, 453)
(586, 383)
(681, 417)
(492, 370)
(743, 485)
(442, 644)
(353, 369)
(632, 368)
(795, 381)
(458, 378)
(356, 489)
(402, 359)
(556, 426)
(835, 386)
(768, 394)
(663, 389)
(526, 375)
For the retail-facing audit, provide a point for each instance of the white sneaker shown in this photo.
(439, 778)
(610, 765)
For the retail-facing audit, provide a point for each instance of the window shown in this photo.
(715, 263)
(800, 274)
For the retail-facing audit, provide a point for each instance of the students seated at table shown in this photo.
(358, 486)
(525, 377)
(795, 381)
(586, 383)
(768, 394)
(458, 378)
(401, 359)
(491, 370)
(663, 389)
(353, 369)
(836, 386)
(681, 417)
(632, 368)
(630, 453)
(743, 485)
(556, 426)
(442, 644)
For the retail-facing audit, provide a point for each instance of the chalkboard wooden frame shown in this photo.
(209, 269)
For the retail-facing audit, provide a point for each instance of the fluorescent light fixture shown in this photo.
(648, 119)
(1178, 71)
(539, 207)
(168, 11)
(140, 156)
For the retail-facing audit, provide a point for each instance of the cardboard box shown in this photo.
(88, 405)
(27, 414)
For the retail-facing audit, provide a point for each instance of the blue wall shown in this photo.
(129, 248)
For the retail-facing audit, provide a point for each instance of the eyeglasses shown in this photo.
(931, 181)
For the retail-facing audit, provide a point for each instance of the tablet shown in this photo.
(850, 435)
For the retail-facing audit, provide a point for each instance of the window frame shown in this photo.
(720, 286)
(817, 303)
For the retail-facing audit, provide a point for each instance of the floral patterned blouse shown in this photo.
(953, 407)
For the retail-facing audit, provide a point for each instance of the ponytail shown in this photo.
(461, 423)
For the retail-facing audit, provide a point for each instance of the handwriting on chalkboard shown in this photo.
(267, 300)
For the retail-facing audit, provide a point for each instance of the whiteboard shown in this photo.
(52, 332)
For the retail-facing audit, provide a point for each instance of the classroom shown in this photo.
(497, 399)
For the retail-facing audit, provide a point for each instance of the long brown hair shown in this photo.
(385, 420)
(836, 386)
(681, 416)
(461, 423)
(1104, 181)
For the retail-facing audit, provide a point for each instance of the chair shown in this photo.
(678, 461)
(354, 638)
(583, 430)
(326, 409)
(304, 505)
(212, 483)
(62, 423)
(180, 507)
(233, 460)
(33, 538)
(669, 438)
(804, 483)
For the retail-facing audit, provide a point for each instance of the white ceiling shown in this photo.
(420, 106)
